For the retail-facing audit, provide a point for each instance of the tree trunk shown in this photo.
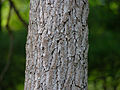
(57, 45)
(95, 84)
(115, 88)
(104, 83)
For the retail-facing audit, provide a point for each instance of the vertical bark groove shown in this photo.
(57, 45)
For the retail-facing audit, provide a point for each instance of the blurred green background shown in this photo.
(104, 40)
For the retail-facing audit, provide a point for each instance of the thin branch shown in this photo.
(18, 14)
(10, 47)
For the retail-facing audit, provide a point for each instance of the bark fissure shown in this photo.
(57, 45)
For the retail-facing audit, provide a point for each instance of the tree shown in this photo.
(57, 45)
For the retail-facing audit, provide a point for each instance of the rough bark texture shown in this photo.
(57, 45)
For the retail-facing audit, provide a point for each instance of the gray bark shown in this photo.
(57, 45)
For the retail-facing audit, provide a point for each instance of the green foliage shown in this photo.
(104, 51)
(14, 77)
(104, 40)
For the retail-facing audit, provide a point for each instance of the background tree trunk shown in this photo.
(57, 45)
(104, 83)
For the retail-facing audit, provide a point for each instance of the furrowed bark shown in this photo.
(57, 45)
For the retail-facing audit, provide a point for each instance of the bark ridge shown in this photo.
(57, 45)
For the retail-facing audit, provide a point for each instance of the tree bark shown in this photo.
(57, 45)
